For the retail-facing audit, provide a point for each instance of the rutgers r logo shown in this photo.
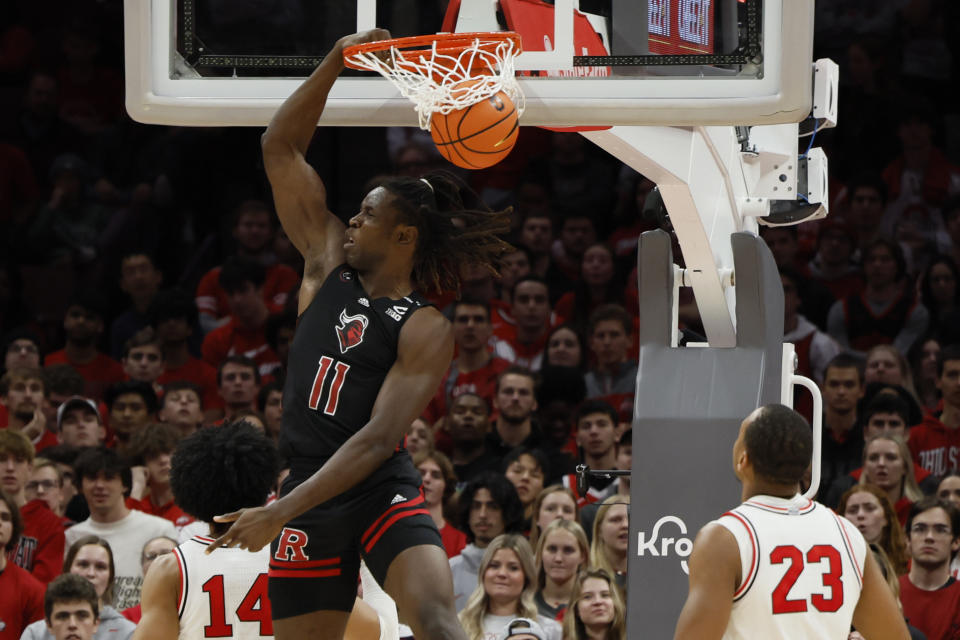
(350, 330)
(290, 547)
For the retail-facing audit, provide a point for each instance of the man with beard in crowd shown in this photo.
(515, 401)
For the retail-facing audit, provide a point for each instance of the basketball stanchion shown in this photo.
(463, 87)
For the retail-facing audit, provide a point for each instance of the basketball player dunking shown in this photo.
(368, 354)
(188, 594)
(779, 565)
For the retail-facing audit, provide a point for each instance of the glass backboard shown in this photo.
(592, 62)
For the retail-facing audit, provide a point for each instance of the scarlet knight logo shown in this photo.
(350, 330)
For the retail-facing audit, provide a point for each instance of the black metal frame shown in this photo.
(193, 50)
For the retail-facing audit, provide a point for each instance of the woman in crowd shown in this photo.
(526, 469)
(91, 558)
(596, 611)
(562, 551)
(439, 483)
(597, 286)
(923, 363)
(506, 589)
(564, 348)
(868, 507)
(556, 502)
(887, 365)
(611, 533)
(940, 289)
(888, 465)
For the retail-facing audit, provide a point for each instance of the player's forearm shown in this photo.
(294, 122)
(355, 461)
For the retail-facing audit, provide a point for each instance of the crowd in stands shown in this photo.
(147, 291)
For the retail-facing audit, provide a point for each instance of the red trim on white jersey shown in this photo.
(807, 507)
(182, 570)
(755, 558)
(849, 547)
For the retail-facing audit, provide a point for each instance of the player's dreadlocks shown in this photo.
(450, 233)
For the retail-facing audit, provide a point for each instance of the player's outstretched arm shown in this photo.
(423, 355)
(714, 574)
(298, 193)
(877, 616)
(158, 601)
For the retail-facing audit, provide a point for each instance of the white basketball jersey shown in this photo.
(801, 567)
(224, 594)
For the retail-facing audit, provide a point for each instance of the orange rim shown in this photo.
(417, 47)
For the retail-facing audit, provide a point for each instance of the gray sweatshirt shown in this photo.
(113, 626)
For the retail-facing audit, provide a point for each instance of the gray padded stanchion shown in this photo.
(688, 409)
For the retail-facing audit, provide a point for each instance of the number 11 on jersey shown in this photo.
(319, 380)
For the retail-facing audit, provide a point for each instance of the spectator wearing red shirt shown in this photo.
(22, 393)
(833, 264)
(280, 329)
(513, 266)
(439, 485)
(253, 230)
(929, 594)
(935, 442)
(180, 406)
(140, 279)
(40, 549)
(598, 285)
(21, 595)
(475, 369)
(46, 483)
(83, 326)
(531, 312)
(150, 452)
(239, 382)
(174, 315)
(245, 333)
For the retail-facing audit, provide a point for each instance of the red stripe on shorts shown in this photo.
(400, 505)
(390, 522)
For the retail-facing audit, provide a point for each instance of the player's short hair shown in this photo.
(932, 502)
(180, 385)
(241, 360)
(595, 406)
(238, 271)
(950, 352)
(219, 470)
(70, 588)
(15, 518)
(139, 387)
(845, 361)
(779, 444)
(93, 461)
(516, 370)
(886, 403)
(172, 304)
(18, 374)
(154, 439)
(86, 541)
(16, 444)
(610, 312)
(64, 380)
(501, 491)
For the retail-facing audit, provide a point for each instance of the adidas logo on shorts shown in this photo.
(398, 498)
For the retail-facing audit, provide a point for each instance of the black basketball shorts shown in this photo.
(315, 561)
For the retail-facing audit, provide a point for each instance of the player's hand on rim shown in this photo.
(371, 35)
(252, 529)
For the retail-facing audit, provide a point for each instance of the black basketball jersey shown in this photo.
(344, 345)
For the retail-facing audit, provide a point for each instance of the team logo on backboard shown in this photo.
(350, 330)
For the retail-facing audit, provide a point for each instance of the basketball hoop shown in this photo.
(444, 72)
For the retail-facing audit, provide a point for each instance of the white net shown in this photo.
(442, 80)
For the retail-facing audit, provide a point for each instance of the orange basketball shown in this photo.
(477, 136)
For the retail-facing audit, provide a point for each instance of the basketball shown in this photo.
(478, 136)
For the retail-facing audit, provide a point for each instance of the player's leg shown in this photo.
(420, 582)
(316, 625)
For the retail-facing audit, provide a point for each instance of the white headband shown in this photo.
(424, 180)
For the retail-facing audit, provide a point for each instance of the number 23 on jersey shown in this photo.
(820, 556)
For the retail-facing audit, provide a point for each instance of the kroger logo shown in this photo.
(664, 546)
